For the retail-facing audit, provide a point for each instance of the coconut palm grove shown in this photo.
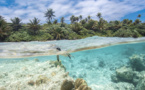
(80, 27)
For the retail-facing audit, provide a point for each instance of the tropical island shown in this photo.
(72, 45)
(80, 27)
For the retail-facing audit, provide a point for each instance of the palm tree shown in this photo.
(77, 19)
(49, 14)
(62, 21)
(83, 21)
(130, 22)
(99, 15)
(16, 23)
(137, 21)
(116, 22)
(3, 29)
(116, 25)
(1, 18)
(34, 25)
(55, 21)
(57, 32)
(80, 17)
(99, 25)
(89, 25)
(86, 19)
(125, 21)
(139, 16)
(76, 27)
(89, 17)
(72, 18)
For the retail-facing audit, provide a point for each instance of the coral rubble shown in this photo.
(133, 74)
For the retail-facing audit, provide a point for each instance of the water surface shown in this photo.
(35, 48)
(96, 65)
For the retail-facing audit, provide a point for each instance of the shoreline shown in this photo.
(75, 50)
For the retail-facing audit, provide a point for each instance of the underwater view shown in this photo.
(116, 67)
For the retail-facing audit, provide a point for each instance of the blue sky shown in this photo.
(110, 9)
(134, 15)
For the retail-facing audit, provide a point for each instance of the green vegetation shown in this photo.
(49, 14)
(34, 26)
(16, 23)
(79, 28)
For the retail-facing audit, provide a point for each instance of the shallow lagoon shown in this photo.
(35, 48)
(96, 65)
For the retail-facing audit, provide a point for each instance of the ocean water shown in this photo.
(35, 48)
(95, 65)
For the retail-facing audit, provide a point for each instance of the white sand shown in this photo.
(15, 75)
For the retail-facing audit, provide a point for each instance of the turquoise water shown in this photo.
(96, 65)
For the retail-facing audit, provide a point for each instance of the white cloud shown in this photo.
(110, 9)
(60, 9)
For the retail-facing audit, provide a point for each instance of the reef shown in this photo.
(42, 79)
(133, 74)
(79, 84)
(32, 75)
(123, 74)
(67, 85)
(138, 62)
(38, 75)
(57, 64)
(31, 83)
(141, 85)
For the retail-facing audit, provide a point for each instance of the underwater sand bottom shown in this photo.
(31, 75)
(35, 75)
